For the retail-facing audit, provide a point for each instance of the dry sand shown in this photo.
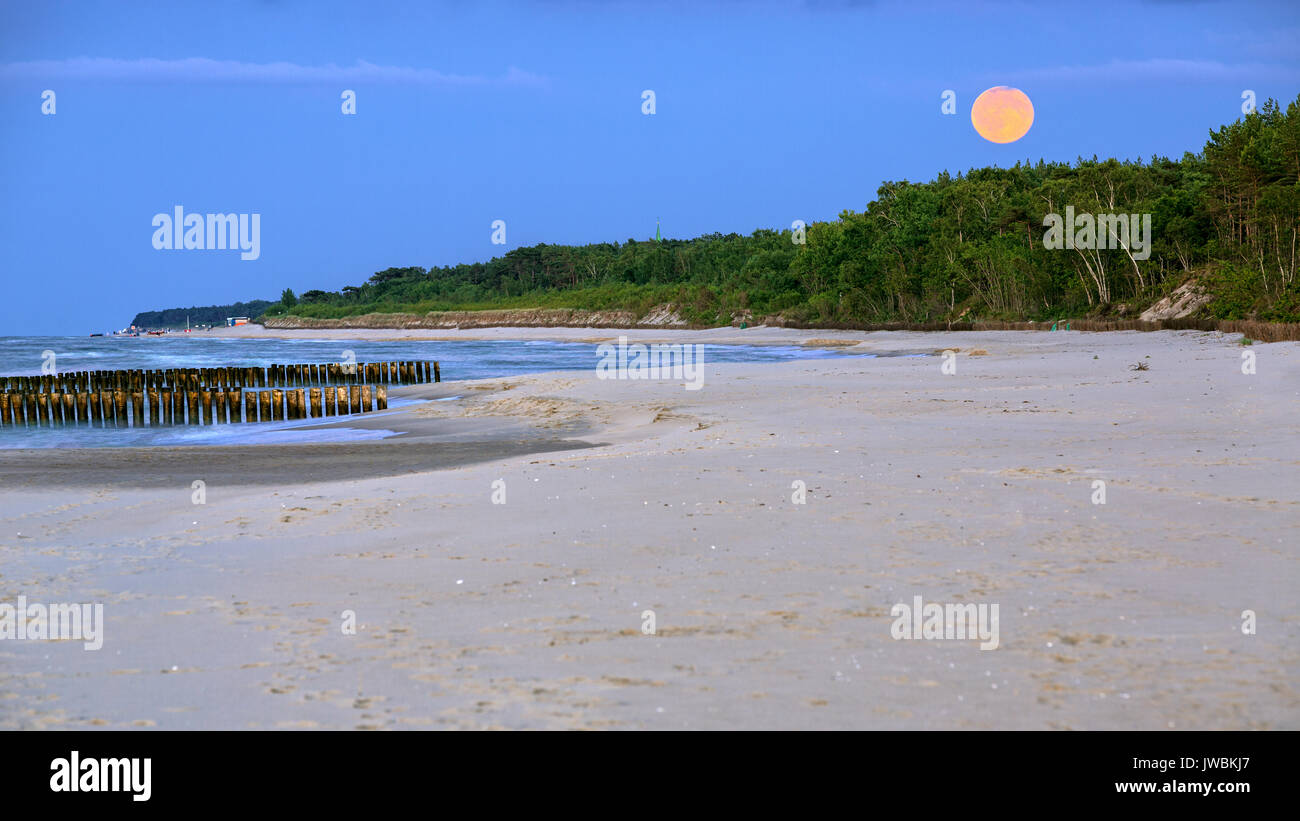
(627, 496)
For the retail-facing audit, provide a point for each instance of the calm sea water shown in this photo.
(24, 355)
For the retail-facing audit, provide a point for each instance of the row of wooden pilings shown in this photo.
(187, 379)
(153, 406)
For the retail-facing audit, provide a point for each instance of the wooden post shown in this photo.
(365, 399)
(234, 403)
(205, 406)
(264, 405)
(219, 406)
(381, 397)
(295, 404)
(327, 397)
(16, 407)
(165, 406)
(192, 401)
(119, 403)
(69, 408)
(83, 407)
(277, 404)
(356, 399)
(314, 398)
(137, 409)
(250, 406)
(56, 408)
(437, 375)
(6, 413)
(341, 393)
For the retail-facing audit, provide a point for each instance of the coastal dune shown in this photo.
(561, 551)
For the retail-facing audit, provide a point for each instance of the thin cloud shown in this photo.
(1154, 70)
(205, 70)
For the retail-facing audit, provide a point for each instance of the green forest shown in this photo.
(205, 315)
(967, 247)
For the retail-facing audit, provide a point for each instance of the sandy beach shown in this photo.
(622, 497)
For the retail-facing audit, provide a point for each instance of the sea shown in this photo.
(458, 360)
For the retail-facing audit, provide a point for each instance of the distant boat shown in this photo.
(156, 333)
(96, 334)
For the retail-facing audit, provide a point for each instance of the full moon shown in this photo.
(1002, 114)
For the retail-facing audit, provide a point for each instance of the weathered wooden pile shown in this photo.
(205, 396)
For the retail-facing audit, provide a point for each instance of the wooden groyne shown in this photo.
(204, 396)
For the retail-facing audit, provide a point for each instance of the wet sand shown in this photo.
(255, 465)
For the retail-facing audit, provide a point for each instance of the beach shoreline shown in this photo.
(723, 335)
(507, 586)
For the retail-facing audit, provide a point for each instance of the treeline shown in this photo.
(962, 247)
(205, 315)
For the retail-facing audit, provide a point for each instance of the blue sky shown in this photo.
(531, 113)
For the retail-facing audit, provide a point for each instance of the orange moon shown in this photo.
(1002, 114)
